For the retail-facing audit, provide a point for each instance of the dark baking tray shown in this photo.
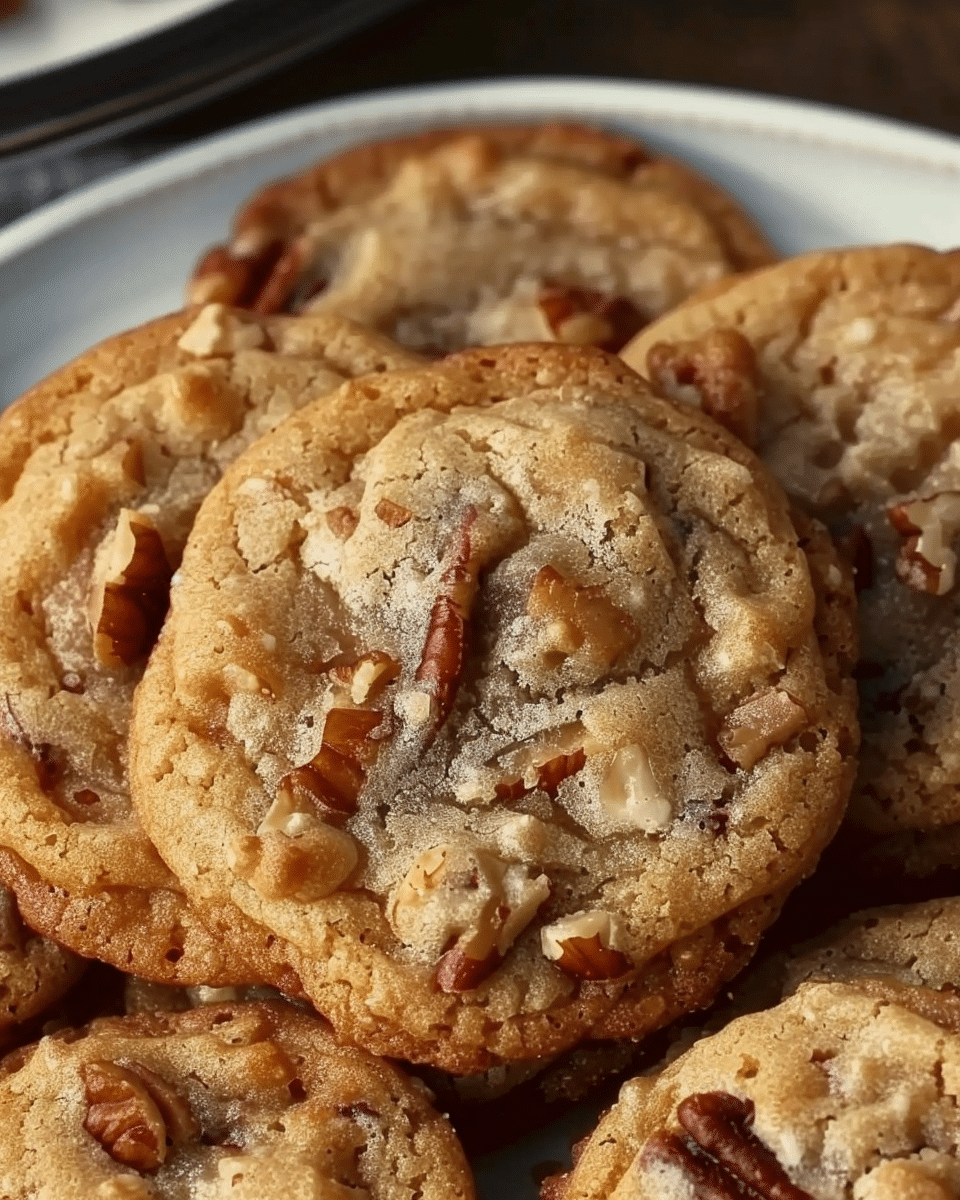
(172, 70)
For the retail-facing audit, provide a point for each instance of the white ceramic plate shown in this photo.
(52, 33)
(118, 253)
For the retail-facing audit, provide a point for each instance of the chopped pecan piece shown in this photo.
(467, 905)
(441, 663)
(263, 281)
(586, 944)
(134, 1114)
(581, 619)
(583, 317)
(721, 367)
(630, 795)
(131, 592)
(334, 777)
(394, 515)
(768, 719)
(550, 775)
(927, 562)
(721, 1155)
(368, 676)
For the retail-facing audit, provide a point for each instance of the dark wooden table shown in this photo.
(899, 58)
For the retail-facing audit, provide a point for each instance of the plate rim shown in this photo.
(487, 100)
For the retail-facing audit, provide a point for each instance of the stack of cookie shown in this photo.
(388, 644)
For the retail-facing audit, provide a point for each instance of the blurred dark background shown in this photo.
(898, 58)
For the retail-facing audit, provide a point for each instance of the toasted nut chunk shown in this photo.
(368, 676)
(587, 944)
(581, 317)
(926, 560)
(441, 662)
(629, 794)
(333, 779)
(131, 591)
(721, 369)
(544, 762)
(134, 1114)
(394, 515)
(767, 719)
(219, 330)
(581, 620)
(466, 904)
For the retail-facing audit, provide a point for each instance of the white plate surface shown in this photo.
(53, 33)
(118, 253)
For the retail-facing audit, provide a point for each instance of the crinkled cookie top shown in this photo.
(485, 685)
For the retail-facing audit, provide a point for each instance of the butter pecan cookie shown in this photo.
(34, 972)
(843, 368)
(107, 479)
(834, 1093)
(491, 695)
(246, 1101)
(475, 237)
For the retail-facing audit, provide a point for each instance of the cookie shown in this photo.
(475, 237)
(250, 1101)
(844, 368)
(832, 1093)
(92, 529)
(501, 722)
(34, 972)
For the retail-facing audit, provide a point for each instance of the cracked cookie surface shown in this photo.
(850, 361)
(247, 1101)
(105, 481)
(491, 705)
(455, 238)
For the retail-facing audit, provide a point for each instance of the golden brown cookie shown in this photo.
(107, 479)
(833, 1093)
(844, 367)
(34, 972)
(491, 706)
(459, 237)
(224, 1102)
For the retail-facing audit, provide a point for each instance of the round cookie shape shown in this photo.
(831, 1094)
(846, 366)
(491, 695)
(93, 529)
(248, 1101)
(34, 972)
(551, 232)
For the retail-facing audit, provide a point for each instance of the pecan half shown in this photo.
(721, 368)
(583, 317)
(131, 591)
(134, 1114)
(927, 561)
(721, 1155)
(585, 944)
(768, 719)
(579, 619)
(228, 278)
(441, 663)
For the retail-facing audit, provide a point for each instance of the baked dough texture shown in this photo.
(555, 232)
(225, 1102)
(851, 361)
(491, 710)
(104, 466)
(832, 1095)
